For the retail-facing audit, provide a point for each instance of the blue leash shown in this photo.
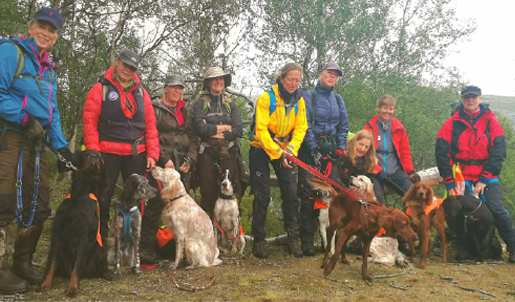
(34, 203)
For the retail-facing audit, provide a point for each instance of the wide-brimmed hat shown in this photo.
(50, 15)
(215, 72)
(175, 80)
(130, 58)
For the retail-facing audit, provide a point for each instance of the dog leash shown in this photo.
(61, 158)
(19, 182)
(465, 222)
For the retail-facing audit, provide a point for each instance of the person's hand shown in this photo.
(169, 164)
(414, 176)
(479, 188)
(66, 154)
(32, 128)
(286, 163)
(218, 135)
(317, 158)
(185, 167)
(150, 163)
(381, 177)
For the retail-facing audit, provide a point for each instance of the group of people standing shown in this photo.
(134, 133)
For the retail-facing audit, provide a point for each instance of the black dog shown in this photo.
(76, 250)
(126, 224)
(474, 226)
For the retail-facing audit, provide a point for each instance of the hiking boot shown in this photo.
(259, 249)
(24, 247)
(9, 282)
(308, 249)
(511, 257)
(294, 244)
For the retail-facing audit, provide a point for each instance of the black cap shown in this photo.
(51, 15)
(334, 67)
(474, 90)
(130, 58)
(175, 80)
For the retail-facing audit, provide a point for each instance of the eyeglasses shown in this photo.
(131, 68)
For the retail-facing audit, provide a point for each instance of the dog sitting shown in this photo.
(125, 226)
(363, 217)
(190, 225)
(76, 249)
(473, 223)
(226, 216)
(424, 210)
(360, 183)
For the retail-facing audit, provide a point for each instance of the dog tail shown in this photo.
(322, 186)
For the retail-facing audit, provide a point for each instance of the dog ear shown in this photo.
(370, 190)
(322, 185)
(429, 195)
(410, 193)
(128, 188)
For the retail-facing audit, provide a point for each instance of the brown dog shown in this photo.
(420, 196)
(363, 218)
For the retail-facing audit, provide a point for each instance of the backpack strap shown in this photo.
(20, 59)
(273, 103)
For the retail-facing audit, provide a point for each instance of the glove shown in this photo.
(317, 157)
(32, 128)
(381, 177)
(414, 176)
(67, 154)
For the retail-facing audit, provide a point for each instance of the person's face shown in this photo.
(174, 93)
(328, 78)
(471, 102)
(291, 81)
(362, 147)
(386, 112)
(124, 72)
(44, 33)
(216, 85)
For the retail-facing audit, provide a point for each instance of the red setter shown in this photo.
(363, 219)
(424, 210)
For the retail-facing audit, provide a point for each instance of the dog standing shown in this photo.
(424, 211)
(471, 220)
(226, 218)
(360, 183)
(76, 249)
(190, 225)
(126, 224)
(364, 218)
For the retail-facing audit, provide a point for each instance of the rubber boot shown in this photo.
(259, 249)
(294, 244)
(24, 247)
(9, 282)
(307, 248)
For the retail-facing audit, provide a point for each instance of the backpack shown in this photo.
(21, 65)
(273, 105)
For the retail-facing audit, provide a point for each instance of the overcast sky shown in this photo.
(488, 59)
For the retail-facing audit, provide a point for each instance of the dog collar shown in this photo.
(470, 216)
(223, 196)
(172, 199)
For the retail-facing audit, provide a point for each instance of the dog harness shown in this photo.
(97, 211)
(19, 197)
(127, 220)
(470, 216)
(433, 206)
(240, 232)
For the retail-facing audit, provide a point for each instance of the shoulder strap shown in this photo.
(21, 60)
(313, 102)
(273, 100)
(104, 92)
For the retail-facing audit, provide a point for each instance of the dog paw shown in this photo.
(44, 287)
(71, 292)
(136, 271)
(116, 275)
(422, 265)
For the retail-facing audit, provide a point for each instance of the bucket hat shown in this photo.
(215, 72)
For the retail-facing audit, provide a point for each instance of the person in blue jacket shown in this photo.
(28, 114)
(325, 138)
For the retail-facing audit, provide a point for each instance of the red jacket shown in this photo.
(399, 138)
(93, 108)
(480, 149)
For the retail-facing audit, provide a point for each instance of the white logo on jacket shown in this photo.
(113, 96)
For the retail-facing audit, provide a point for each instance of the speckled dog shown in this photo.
(227, 219)
(126, 224)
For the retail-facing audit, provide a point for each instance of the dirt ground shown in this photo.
(284, 278)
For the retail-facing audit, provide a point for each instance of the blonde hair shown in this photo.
(386, 100)
(30, 24)
(287, 68)
(370, 156)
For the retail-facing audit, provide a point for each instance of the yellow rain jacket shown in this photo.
(278, 124)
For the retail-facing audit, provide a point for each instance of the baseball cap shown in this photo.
(474, 90)
(130, 58)
(175, 80)
(334, 67)
(51, 15)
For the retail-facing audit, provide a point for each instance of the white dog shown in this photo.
(361, 183)
(227, 219)
(190, 225)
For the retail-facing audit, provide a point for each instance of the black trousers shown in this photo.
(399, 181)
(308, 215)
(114, 164)
(260, 182)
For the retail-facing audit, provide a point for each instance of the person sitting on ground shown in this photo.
(392, 150)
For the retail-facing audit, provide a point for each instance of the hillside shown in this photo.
(501, 104)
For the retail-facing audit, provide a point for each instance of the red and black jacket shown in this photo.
(480, 147)
(400, 141)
